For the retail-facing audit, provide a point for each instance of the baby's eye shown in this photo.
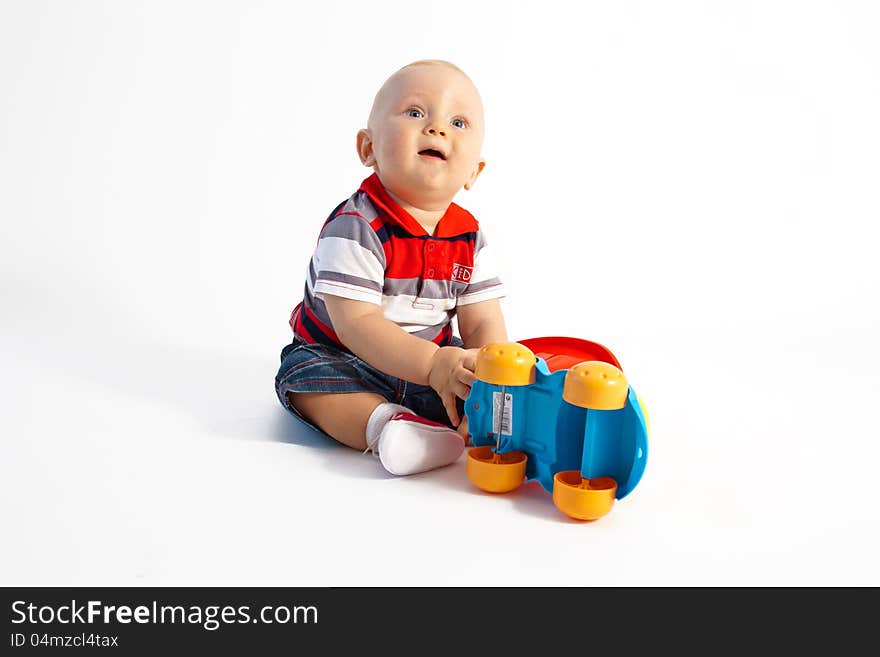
(459, 123)
(414, 113)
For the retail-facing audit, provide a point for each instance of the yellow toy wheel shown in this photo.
(495, 473)
(583, 499)
(506, 364)
(595, 384)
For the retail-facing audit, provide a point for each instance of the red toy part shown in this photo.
(561, 353)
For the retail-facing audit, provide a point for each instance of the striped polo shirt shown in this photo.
(371, 249)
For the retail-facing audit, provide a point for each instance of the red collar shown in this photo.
(456, 221)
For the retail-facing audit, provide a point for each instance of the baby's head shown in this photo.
(424, 134)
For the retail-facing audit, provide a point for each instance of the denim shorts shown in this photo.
(322, 368)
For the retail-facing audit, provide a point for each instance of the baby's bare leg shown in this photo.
(341, 416)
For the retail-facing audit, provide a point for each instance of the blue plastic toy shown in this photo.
(561, 412)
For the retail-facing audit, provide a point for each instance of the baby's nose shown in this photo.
(434, 131)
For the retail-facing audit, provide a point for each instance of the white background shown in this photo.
(694, 185)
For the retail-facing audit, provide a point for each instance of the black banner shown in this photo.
(133, 621)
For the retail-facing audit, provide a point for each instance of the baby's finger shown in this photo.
(460, 390)
(451, 410)
(470, 359)
(465, 376)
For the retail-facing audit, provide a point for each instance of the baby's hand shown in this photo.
(451, 376)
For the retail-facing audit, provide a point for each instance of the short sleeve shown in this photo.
(485, 283)
(349, 261)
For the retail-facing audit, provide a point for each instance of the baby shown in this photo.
(374, 362)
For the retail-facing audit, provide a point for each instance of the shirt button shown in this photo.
(430, 246)
(430, 272)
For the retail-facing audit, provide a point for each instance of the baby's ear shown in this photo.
(365, 148)
(476, 173)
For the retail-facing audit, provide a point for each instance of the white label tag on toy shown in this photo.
(502, 413)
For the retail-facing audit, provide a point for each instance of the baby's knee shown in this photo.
(302, 403)
(293, 400)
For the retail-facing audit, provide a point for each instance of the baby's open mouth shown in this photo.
(430, 152)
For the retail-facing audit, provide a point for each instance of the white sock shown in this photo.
(406, 443)
(378, 419)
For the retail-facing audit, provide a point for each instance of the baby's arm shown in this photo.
(363, 328)
(481, 323)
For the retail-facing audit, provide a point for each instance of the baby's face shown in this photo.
(425, 134)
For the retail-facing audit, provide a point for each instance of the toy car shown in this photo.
(560, 411)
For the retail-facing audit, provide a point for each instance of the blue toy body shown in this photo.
(556, 435)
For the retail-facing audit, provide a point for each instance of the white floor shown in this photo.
(148, 462)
